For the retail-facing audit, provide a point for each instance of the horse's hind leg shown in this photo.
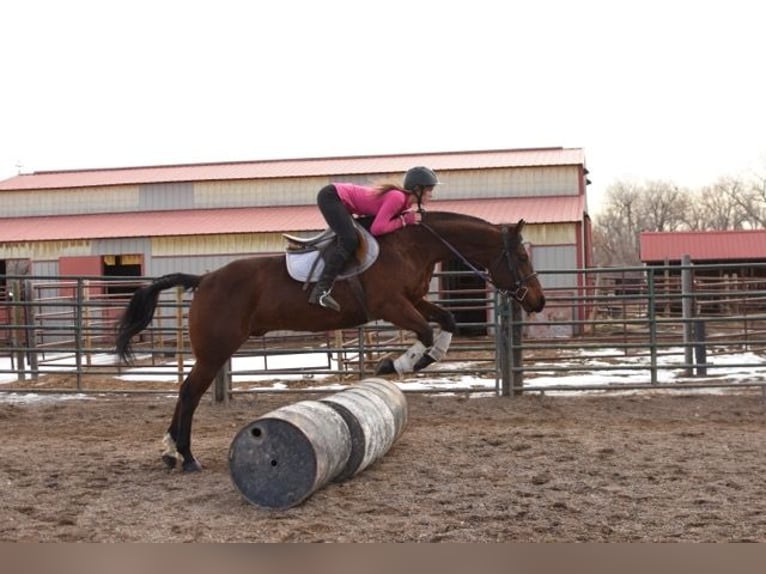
(178, 437)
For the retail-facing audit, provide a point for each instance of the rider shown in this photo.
(389, 204)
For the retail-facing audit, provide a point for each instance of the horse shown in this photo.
(254, 295)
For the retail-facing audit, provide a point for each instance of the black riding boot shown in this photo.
(333, 265)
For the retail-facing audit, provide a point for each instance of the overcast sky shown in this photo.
(667, 89)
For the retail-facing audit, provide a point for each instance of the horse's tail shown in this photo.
(141, 308)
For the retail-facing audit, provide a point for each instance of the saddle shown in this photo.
(305, 263)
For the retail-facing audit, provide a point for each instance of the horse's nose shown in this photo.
(540, 304)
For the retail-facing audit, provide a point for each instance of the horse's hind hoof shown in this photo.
(385, 367)
(191, 466)
(170, 461)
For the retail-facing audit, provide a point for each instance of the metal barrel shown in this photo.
(284, 456)
(394, 398)
(281, 458)
(375, 411)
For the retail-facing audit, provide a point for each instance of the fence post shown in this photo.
(86, 322)
(78, 346)
(687, 312)
(700, 348)
(17, 334)
(651, 314)
(503, 344)
(509, 347)
(222, 386)
(517, 375)
(32, 331)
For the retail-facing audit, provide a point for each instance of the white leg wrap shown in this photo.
(170, 446)
(406, 362)
(440, 346)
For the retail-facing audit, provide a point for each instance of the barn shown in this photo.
(727, 265)
(148, 221)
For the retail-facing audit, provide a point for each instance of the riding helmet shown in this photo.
(420, 175)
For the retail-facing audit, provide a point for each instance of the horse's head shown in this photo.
(512, 271)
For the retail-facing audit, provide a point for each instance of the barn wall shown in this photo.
(550, 233)
(195, 254)
(554, 244)
(69, 201)
(234, 243)
(515, 182)
(40, 250)
(463, 184)
(163, 196)
(267, 192)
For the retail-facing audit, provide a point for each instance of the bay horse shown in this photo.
(255, 295)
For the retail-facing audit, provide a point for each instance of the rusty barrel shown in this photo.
(284, 456)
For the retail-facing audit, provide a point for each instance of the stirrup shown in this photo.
(326, 301)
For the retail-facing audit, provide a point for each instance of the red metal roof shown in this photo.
(269, 169)
(261, 219)
(703, 245)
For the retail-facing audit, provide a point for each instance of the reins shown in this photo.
(520, 289)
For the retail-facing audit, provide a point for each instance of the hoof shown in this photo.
(170, 461)
(191, 466)
(424, 361)
(385, 367)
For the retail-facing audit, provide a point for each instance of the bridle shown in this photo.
(518, 291)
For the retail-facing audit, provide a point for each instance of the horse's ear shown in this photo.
(520, 225)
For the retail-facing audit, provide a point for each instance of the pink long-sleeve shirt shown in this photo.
(387, 208)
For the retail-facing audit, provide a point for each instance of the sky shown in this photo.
(651, 90)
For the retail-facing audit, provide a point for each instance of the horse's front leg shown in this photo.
(403, 314)
(441, 342)
(427, 348)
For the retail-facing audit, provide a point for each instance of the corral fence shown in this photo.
(672, 326)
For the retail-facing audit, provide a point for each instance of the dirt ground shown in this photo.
(642, 467)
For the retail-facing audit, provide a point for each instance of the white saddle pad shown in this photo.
(300, 263)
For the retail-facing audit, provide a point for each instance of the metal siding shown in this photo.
(465, 184)
(703, 245)
(187, 264)
(274, 169)
(553, 258)
(68, 201)
(42, 268)
(247, 193)
(550, 234)
(509, 182)
(253, 220)
(41, 250)
(235, 243)
(127, 246)
(164, 196)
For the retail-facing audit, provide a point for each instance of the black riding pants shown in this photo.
(338, 218)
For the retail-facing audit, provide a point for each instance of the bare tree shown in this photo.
(718, 206)
(630, 208)
(663, 206)
(615, 237)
